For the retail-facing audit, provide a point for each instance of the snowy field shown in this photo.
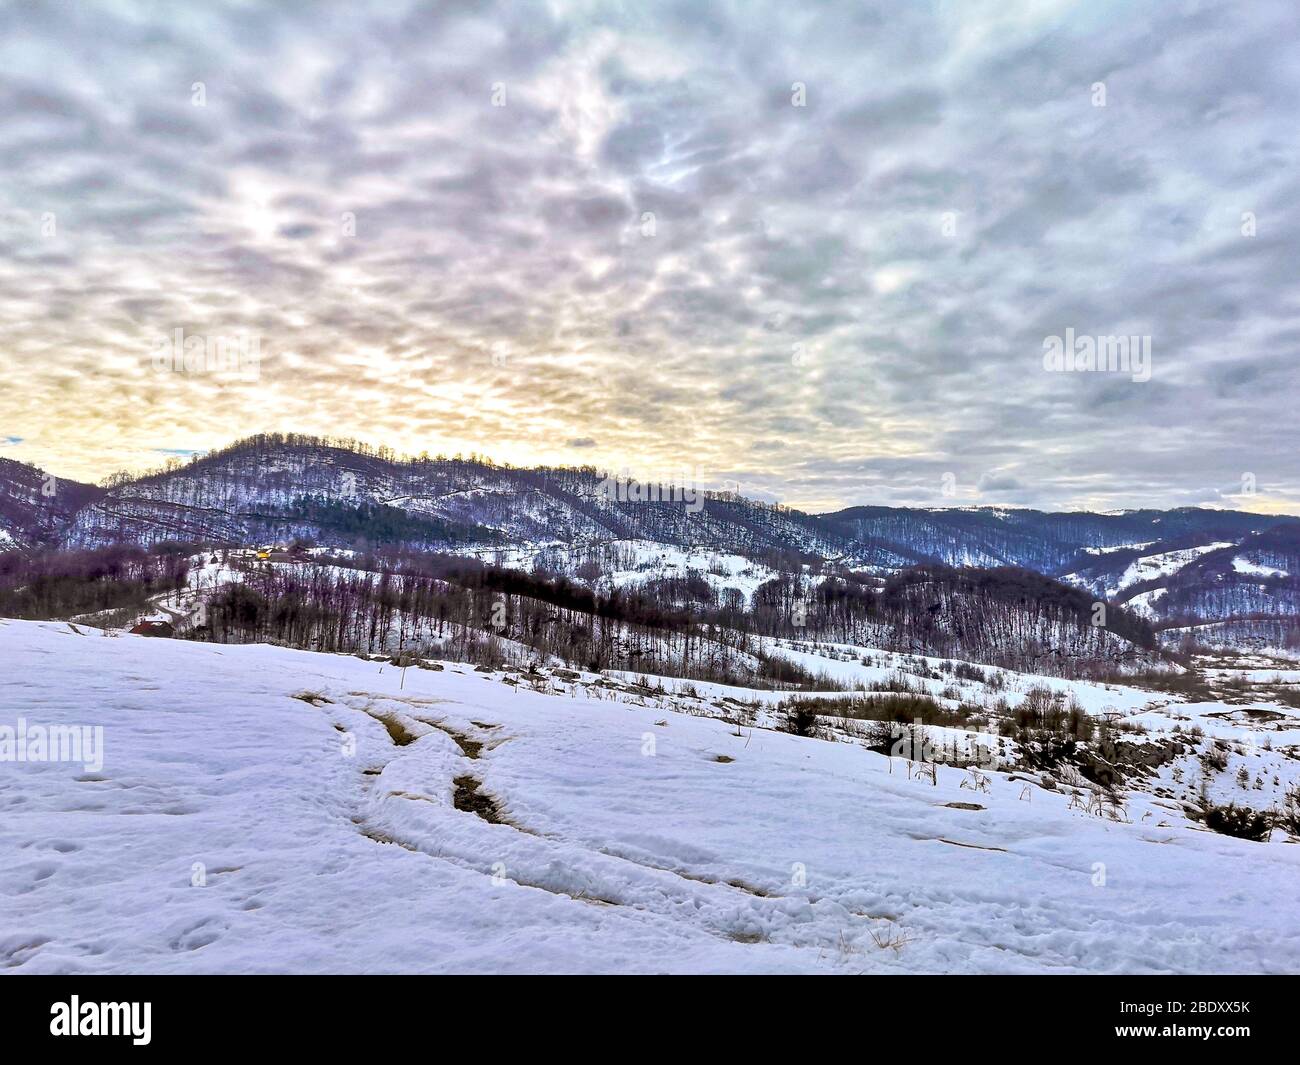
(262, 810)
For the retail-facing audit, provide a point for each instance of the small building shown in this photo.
(153, 628)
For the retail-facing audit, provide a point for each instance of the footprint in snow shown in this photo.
(199, 934)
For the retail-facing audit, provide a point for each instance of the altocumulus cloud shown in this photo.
(816, 251)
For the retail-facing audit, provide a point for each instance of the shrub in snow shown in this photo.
(1288, 817)
(801, 721)
(1239, 821)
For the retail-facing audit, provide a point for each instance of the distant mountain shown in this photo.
(1175, 565)
(1051, 543)
(278, 488)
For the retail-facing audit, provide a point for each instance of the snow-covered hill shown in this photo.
(1154, 566)
(1177, 568)
(262, 809)
(36, 506)
(281, 486)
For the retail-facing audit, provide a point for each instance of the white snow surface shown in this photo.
(230, 830)
(1116, 547)
(1241, 564)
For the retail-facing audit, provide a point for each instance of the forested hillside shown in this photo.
(1178, 568)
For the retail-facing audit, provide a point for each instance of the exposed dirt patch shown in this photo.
(724, 758)
(314, 698)
(468, 747)
(483, 724)
(397, 732)
(471, 800)
(962, 806)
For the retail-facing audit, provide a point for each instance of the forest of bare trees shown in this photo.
(401, 601)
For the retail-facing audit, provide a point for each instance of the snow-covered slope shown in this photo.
(1161, 564)
(1243, 587)
(37, 507)
(1143, 567)
(263, 809)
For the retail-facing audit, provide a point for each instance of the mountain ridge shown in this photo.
(346, 470)
(1183, 566)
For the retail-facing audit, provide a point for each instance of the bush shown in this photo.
(1288, 818)
(801, 721)
(901, 707)
(1239, 821)
(1045, 751)
(1216, 757)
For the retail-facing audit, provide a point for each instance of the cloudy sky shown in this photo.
(813, 249)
